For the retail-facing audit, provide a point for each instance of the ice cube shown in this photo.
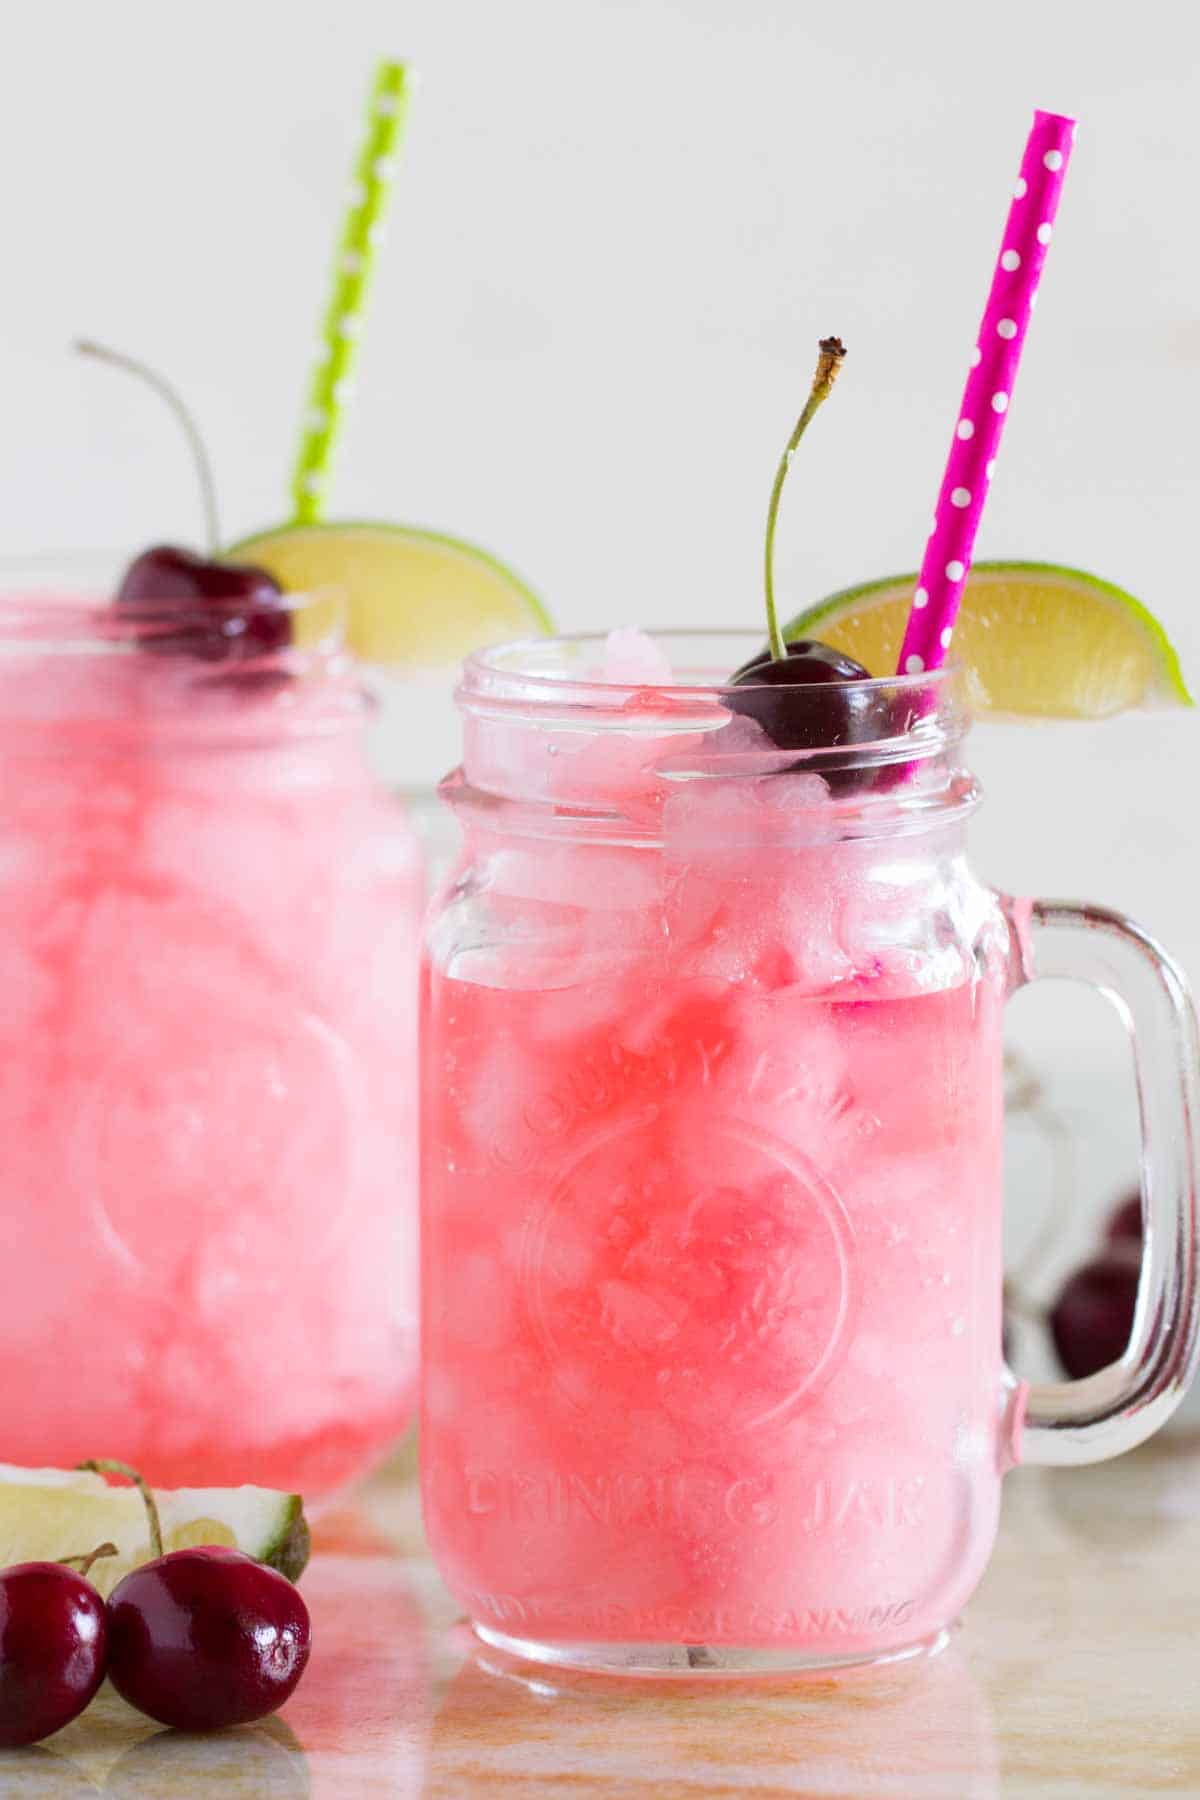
(633, 659)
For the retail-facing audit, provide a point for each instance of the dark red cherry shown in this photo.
(809, 721)
(222, 612)
(205, 1638)
(1125, 1220)
(1092, 1317)
(53, 1649)
(787, 700)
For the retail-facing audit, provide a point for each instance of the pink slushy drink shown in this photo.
(712, 1184)
(208, 920)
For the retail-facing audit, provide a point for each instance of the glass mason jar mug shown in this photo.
(711, 1191)
(209, 917)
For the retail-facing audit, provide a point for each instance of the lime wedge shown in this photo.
(1036, 640)
(48, 1514)
(417, 600)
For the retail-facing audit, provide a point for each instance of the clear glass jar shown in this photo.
(209, 916)
(713, 1105)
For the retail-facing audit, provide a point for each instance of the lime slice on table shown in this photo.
(48, 1514)
(416, 599)
(1037, 640)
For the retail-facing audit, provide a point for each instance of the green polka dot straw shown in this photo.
(330, 387)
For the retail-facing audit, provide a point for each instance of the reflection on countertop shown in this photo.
(865, 1735)
(1072, 1676)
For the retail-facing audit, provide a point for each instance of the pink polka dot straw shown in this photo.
(989, 387)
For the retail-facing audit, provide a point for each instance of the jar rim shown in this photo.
(56, 611)
(533, 711)
(519, 673)
(555, 683)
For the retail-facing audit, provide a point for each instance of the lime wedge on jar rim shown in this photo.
(1037, 641)
(49, 1514)
(415, 599)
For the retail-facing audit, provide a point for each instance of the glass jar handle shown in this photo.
(1085, 1421)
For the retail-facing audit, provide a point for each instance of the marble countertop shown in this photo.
(1075, 1674)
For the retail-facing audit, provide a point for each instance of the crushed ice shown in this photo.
(633, 659)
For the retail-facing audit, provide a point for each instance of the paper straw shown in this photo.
(988, 391)
(329, 388)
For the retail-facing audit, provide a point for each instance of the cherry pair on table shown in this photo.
(198, 1639)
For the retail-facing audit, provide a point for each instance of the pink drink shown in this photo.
(712, 1193)
(208, 914)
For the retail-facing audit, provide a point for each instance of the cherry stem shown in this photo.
(106, 1466)
(830, 357)
(85, 1562)
(163, 388)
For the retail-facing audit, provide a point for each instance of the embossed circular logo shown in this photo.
(698, 1270)
(216, 1135)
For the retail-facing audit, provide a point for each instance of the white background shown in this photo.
(619, 229)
